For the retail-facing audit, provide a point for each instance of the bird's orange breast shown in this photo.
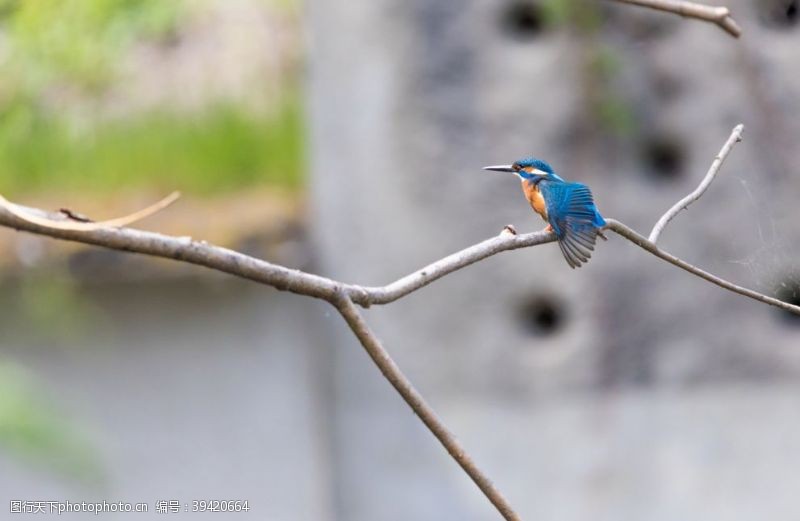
(535, 198)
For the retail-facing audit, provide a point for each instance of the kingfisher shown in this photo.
(567, 208)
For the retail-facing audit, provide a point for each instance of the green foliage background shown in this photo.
(75, 45)
(51, 47)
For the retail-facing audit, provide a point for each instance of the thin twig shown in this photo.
(414, 399)
(718, 15)
(83, 224)
(646, 245)
(736, 136)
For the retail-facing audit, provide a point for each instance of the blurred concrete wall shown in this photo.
(183, 390)
(626, 389)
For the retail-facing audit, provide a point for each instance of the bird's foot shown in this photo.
(548, 228)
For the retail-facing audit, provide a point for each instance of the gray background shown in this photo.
(625, 390)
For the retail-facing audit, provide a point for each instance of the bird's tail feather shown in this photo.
(577, 245)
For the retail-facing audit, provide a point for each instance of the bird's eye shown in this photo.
(516, 167)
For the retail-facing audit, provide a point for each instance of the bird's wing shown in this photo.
(572, 214)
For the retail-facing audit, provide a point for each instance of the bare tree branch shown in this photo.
(736, 136)
(181, 249)
(718, 15)
(420, 407)
(344, 296)
(506, 241)
(646, 245)
(112, 235)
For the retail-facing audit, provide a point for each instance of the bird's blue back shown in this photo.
(571, 201)
(574, 217)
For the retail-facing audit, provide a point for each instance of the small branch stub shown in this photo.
(508, 229)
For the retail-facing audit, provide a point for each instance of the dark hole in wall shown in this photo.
(664, 157)
(523, 20)
(542, 315)
(667, 86)
(778, 14)
(789, 291)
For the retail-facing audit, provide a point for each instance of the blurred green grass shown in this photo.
(219, 148)
(76, 45)
(79, 41)
(32, 428)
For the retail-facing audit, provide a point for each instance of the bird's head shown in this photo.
(529, 168)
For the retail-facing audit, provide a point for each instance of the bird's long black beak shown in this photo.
(499, 168)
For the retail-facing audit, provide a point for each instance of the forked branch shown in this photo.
(345, 296)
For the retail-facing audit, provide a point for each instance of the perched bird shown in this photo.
(568, 208)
